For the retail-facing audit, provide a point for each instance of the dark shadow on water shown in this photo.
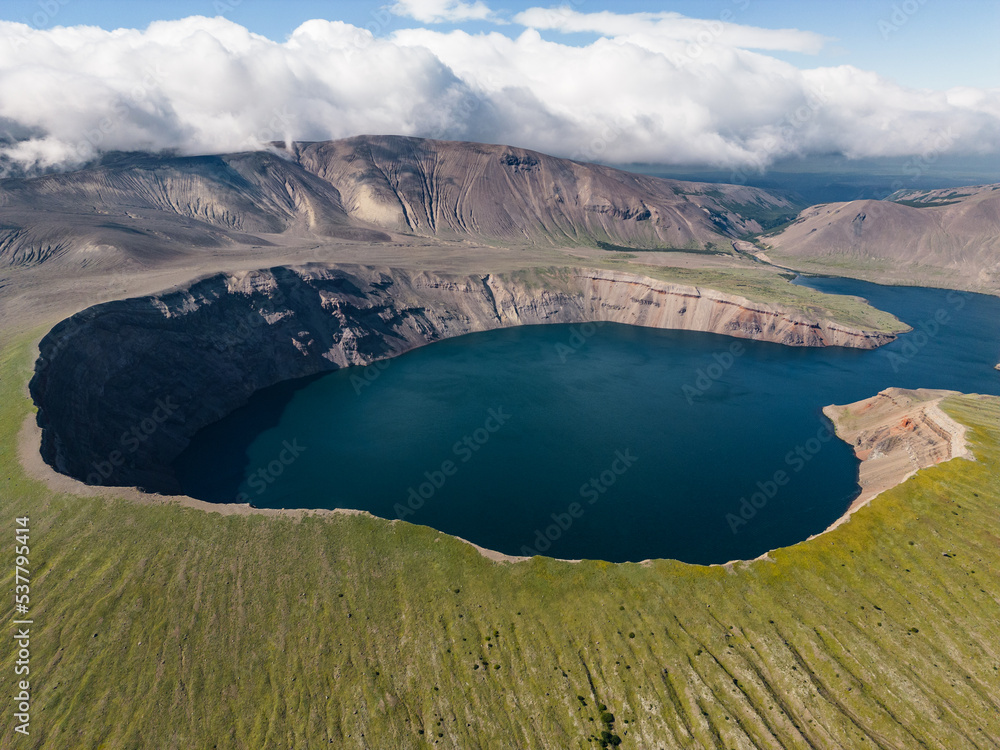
(224, 445)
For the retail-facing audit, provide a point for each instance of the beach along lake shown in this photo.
(599, 441)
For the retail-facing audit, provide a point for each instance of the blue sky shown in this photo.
(943, 43)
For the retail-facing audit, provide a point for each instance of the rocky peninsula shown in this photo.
(895, 434)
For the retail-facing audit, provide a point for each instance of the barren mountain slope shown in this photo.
(950, 236)
(145, 206)
(511, 194)
(138, 205)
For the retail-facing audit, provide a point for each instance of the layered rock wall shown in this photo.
(121, 387)
(895, 434)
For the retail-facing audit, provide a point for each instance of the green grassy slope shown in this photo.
(172, 628)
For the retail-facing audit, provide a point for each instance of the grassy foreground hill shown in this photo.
(159, 626)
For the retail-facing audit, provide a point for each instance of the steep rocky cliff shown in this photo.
(122, 386)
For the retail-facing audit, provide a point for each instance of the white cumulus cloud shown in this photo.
(202, 85)
(443, 11)
(669, 25)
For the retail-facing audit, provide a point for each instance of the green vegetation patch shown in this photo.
(769, 217)
(925, 203)
(922, 199)
(879, 271)
(765, 285)
(156, 625)
(707, 249)
(756, 283)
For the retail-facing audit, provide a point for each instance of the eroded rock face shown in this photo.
(895, 434)
(121, 387)
(492, 192)
(150, 208)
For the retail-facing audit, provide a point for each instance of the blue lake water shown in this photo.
(608, 442)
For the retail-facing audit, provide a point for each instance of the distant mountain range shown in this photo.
(143, 206)
(380, 189)
(948, 237)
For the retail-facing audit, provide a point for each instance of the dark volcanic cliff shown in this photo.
(122, 386)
